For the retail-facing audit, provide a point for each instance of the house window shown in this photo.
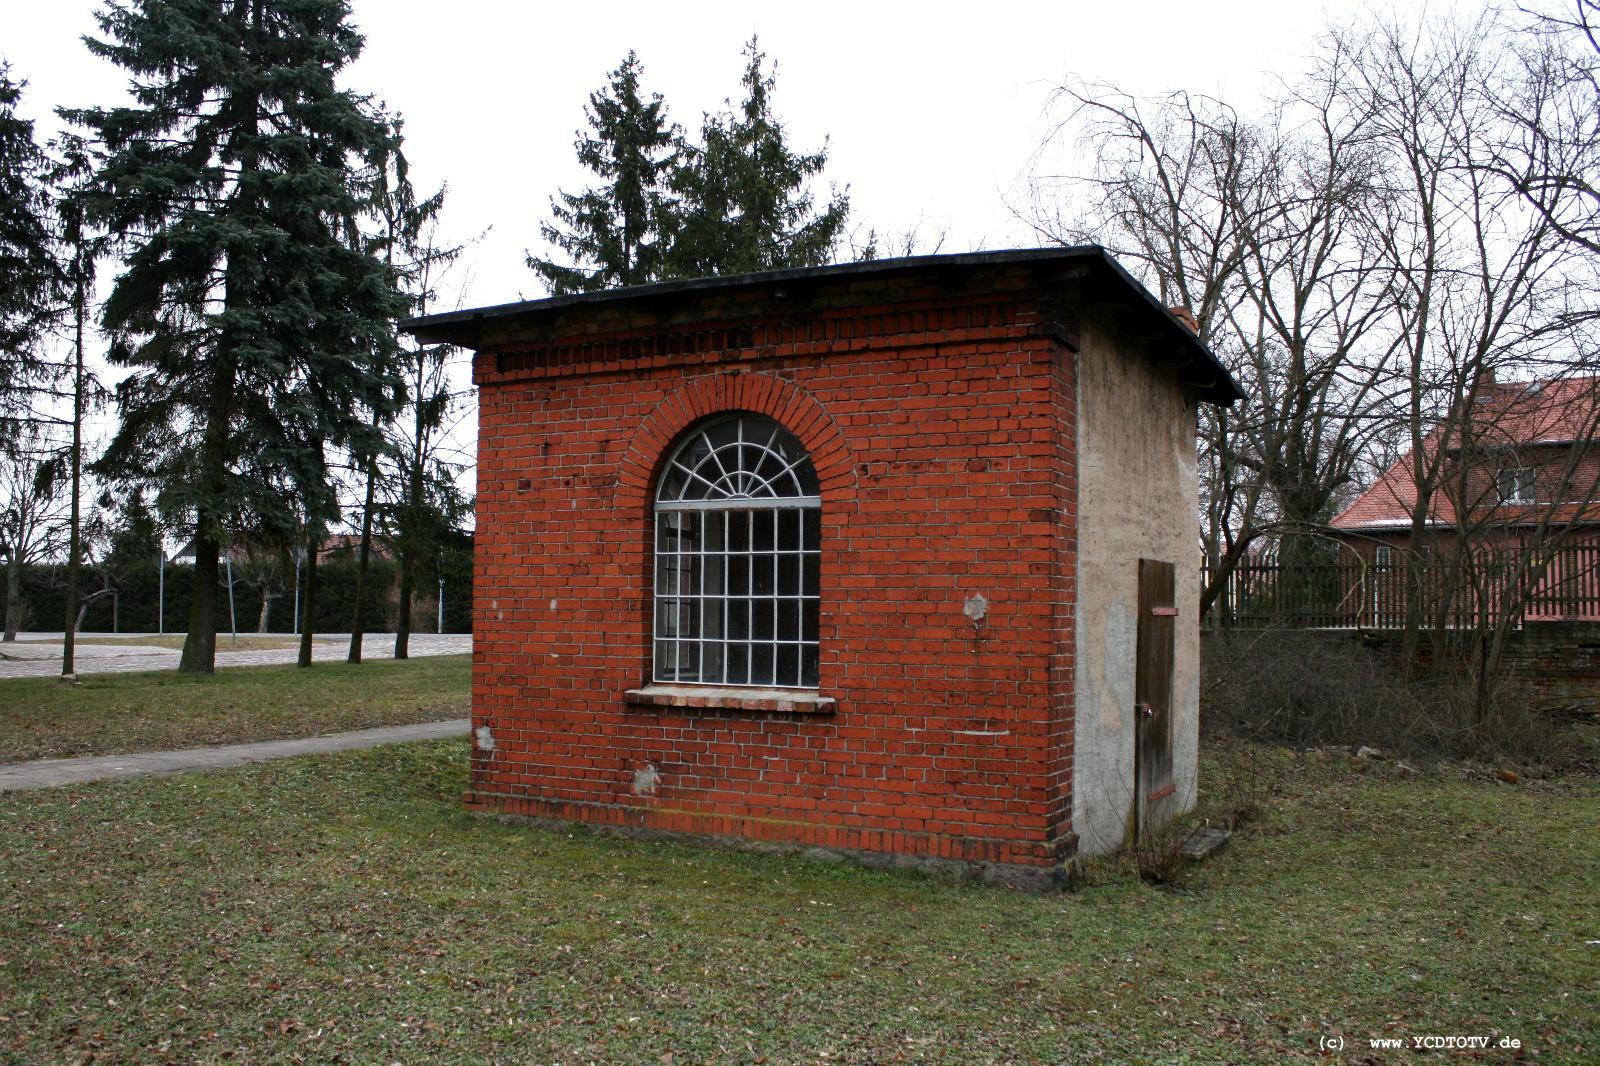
(737, 558)
(1515, 485)
(1383, 555)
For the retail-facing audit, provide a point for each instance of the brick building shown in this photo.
(887, 557)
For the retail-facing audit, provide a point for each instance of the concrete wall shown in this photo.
(1137, 492)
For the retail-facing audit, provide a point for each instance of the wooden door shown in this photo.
(1155, 801)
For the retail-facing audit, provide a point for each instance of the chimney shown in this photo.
(1186, 316)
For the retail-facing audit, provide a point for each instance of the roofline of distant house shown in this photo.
(465, 327)
(1396, 525)
(1514, 445)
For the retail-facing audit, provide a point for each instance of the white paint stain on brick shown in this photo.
(976, 608)
(646, 780)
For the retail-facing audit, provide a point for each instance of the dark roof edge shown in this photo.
(451, 326)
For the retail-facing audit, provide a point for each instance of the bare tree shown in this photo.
(409, 240)
(1485, 279)
(33, 515)
(268, 569)
(1257, 227)
(1552, 156)
(1412, 222)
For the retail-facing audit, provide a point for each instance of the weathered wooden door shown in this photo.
(1154, 795)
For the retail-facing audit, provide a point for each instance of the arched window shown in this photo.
(737, 535)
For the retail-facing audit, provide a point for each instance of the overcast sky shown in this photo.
(930, 110)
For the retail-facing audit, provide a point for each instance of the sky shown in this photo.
(930, 111)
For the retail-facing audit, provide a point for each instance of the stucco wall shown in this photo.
(1137, 492)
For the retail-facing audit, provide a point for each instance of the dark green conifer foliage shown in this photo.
(742, 196)
(251, 326)
(612, 231)
(29, 278)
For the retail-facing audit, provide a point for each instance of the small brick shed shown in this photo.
(894, 557)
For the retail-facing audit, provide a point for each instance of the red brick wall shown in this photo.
(942, 430)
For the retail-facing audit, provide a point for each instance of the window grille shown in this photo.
(737, 559)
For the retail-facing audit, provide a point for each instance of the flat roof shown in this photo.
(465, 327)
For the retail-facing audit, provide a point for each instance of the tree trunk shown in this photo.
(402, 629)
(263, 625)
(88, 602)
(358, 620)
(200, 644)
(412, 511)
(69, 638)
(308, 599)
(13, 597)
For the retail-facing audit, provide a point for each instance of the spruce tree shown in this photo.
(742, 196)
(249, 325)
(29, 278)
(612, 230)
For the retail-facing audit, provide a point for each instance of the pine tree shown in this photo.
(251, 327)
(29, 278)
(613, 230)
(742, 200)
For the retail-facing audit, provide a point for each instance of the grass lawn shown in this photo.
(342, 908)
(114, 713)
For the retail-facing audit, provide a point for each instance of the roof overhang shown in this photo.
(1201, 370)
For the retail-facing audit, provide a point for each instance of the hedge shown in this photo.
(137, 609)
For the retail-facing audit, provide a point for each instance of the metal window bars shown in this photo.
(738, 529)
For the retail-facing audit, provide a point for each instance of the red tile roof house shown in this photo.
(1533, 478)
(890, 558)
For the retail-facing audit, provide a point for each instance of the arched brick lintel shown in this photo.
(784, 402)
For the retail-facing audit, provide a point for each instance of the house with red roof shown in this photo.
(1518, 482)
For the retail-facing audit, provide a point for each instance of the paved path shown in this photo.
(44, 659)
(51, 773)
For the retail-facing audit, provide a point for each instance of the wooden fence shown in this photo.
(1517, 585)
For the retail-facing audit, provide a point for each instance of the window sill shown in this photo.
(713, 698)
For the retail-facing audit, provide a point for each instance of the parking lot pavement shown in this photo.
(44, 659)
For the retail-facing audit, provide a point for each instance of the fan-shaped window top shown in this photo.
(745, 457)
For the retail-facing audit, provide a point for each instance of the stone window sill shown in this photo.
(713, 698)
